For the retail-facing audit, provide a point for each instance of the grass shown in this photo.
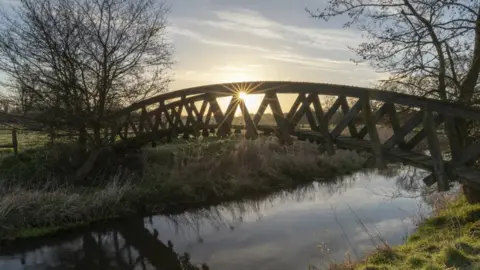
(169, 178)
(450, 239)
(25, 139)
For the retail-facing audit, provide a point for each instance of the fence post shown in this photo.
(14, 141)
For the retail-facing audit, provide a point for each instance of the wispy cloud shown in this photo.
(274, 54)
(175, 30)
(254, 23)
(285, 48)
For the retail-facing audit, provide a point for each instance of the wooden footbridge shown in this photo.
(411, 120)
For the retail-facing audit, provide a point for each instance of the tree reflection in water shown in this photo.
(128, 247)
(137, 245)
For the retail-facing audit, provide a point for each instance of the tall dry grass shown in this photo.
(175, 175)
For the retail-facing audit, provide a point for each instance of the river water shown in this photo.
(308, 227)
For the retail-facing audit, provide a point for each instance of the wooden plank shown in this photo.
(261, 110)
(300, 112)
(331, 112)
(196, 113)
(147, 120)
(203, 108)
(351, 124)
(208, 117)
(14, 142)
(395, 123)
(215, 108)
(190, 118)
(435, 152)
(178, 116)
(453, 138)
(251, 132)
(372, 132)
(282, 124)
(347, 119)
(378, 114)
(407, 127)
(323, 125)
(220, 90)
(415, 140)
(224, 128)
(294, 108)
(199, 114)
(311, 118)
(168, 117)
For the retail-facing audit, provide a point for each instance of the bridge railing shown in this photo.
(196, 111)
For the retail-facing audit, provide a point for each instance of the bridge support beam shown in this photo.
(283, 132)
(375, 144)
(434, 147)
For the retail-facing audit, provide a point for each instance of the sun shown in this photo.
(242, 95)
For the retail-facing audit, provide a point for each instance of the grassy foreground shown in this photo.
(450, 239)
(168, 178)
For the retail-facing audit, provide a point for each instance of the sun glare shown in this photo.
(242, 95)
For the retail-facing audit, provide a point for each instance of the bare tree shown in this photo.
(430, 47)
(78, 61)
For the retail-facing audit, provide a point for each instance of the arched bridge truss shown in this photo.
(357, 118)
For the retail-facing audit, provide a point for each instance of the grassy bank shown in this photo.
(35, 199)
(450, 239)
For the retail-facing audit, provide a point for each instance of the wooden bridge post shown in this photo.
(372, 132)
(283, 125)
(435, 152)
(453, 137)
(323, 125)
(251, 132)
(261, 110)
(346, 109)
(14, 142)
(224, 127)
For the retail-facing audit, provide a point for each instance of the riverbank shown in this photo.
(450, 239)
(168, 178)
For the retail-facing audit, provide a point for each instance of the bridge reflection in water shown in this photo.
(411, 120)
(129, 246)
(282, 229)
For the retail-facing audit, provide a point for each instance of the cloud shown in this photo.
(318, 63)
(228, 25)
(254, 23)
(175, 30)
(284, 48)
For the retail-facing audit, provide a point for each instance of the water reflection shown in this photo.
(311, 225)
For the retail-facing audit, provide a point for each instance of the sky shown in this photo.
(219, 41)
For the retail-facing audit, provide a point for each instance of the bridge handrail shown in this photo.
(290, 87)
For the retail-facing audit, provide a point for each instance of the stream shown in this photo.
(305, 228)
